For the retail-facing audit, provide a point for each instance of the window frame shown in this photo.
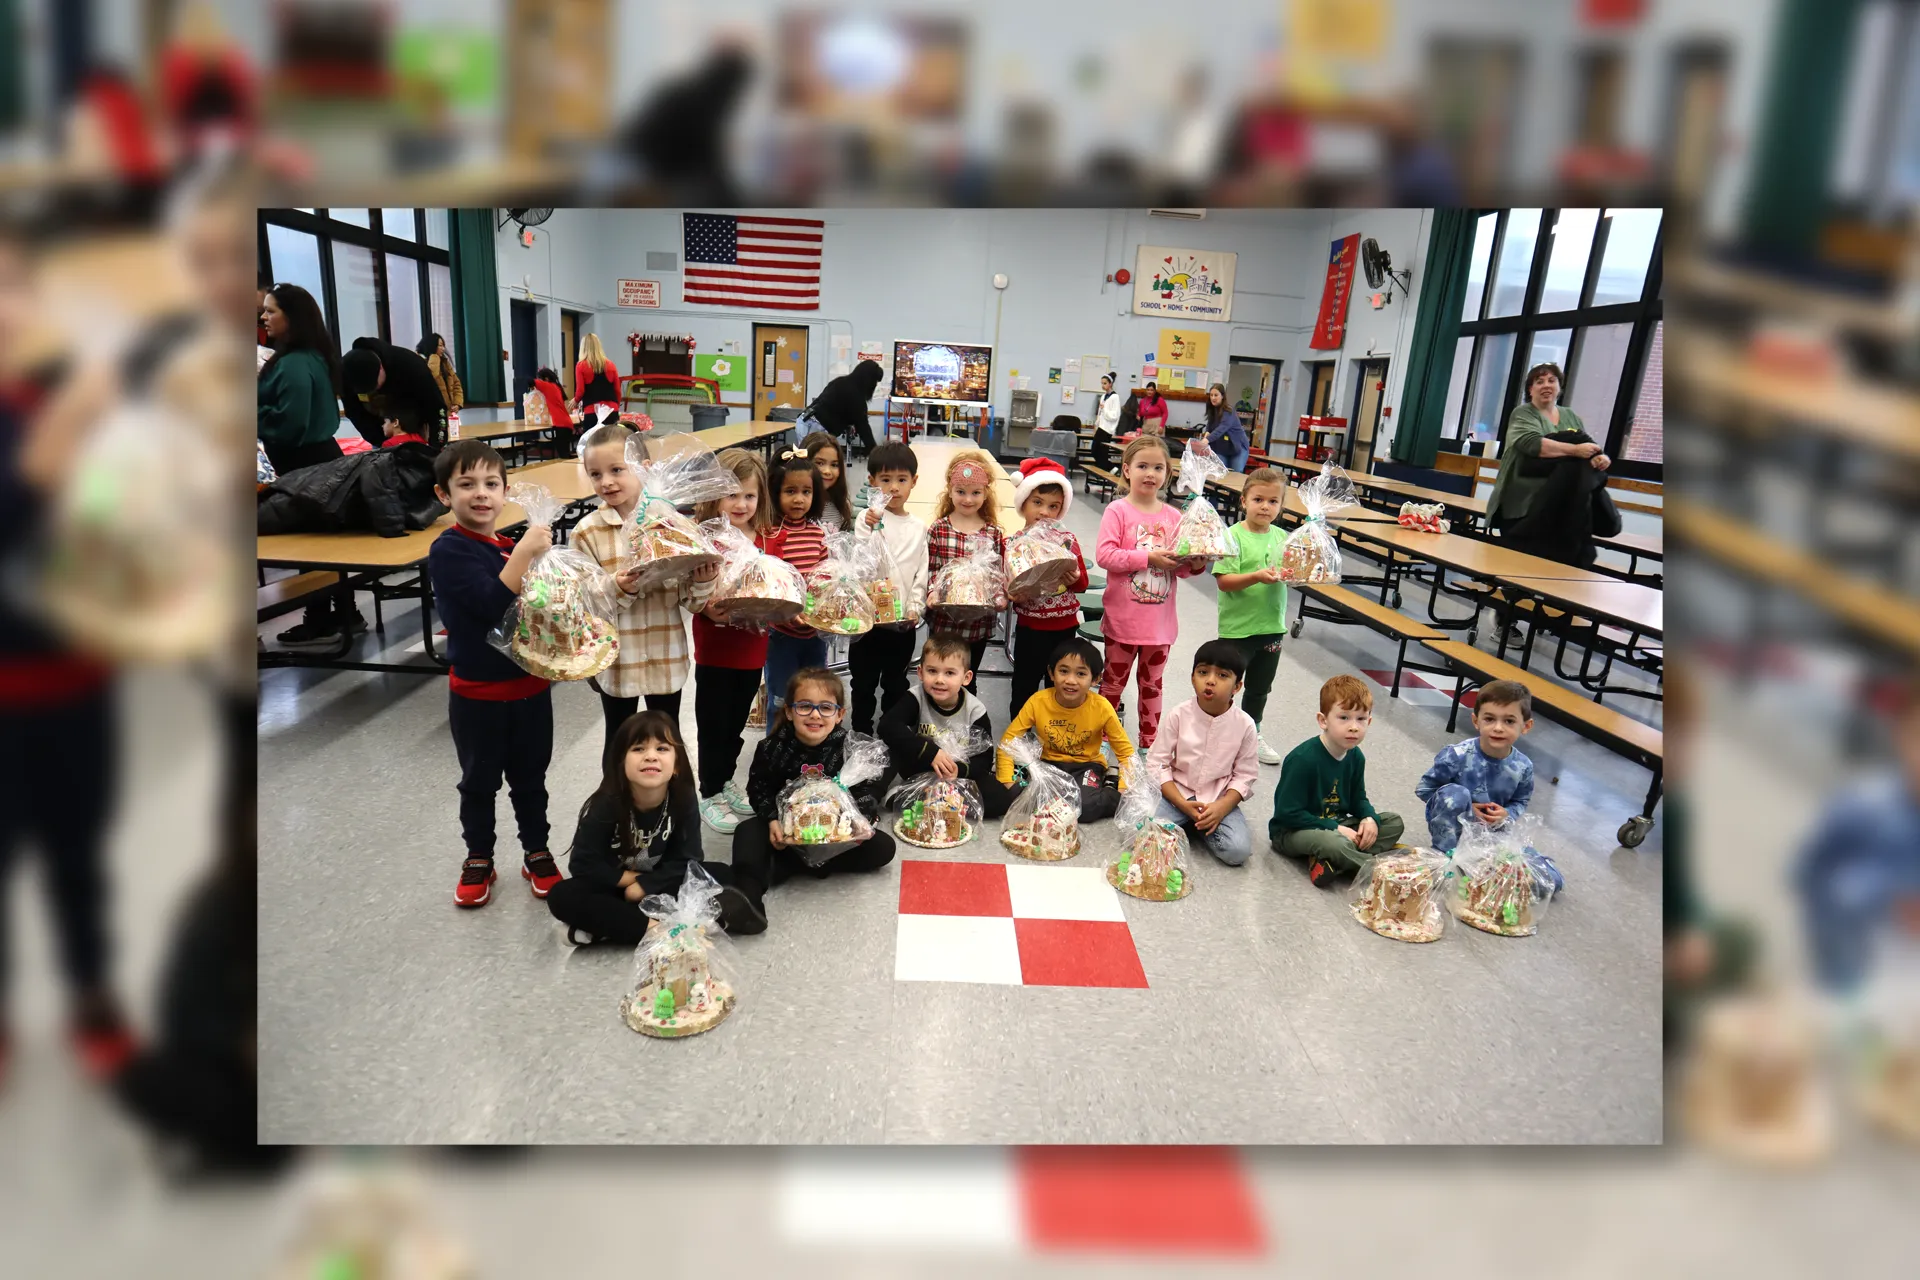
(1643, 314)
(327, 229)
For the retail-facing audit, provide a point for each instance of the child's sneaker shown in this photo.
(102, 1050)
(476, 883)
(539, 871)
(1267, 752)
(1320, 873)
(578, 937)
(718, 814)
(740, 914)
(736, 799)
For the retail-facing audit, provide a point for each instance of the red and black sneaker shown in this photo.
(539, 871)
(476, 883)
(1320, 873)
(102, 1048)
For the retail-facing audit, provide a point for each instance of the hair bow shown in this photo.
(791, 454)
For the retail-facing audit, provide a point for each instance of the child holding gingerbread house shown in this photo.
(942, 703)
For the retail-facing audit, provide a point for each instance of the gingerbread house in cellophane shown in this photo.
(561, 625)
(666, 544)
(1399, 895)
(1043, 822)
(820, 817)
(755, 589)
(1151, 862)
(682, 982)
(1497, 883)
(1312, 553)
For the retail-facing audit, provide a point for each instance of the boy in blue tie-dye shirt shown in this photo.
(1486, 778)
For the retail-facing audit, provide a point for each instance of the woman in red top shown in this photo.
(596, 379)
(1153, 410)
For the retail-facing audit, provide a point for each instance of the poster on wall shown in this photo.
(1182, 346)
(637, 293)
(1183, 284)
(1330, 330)
(729, 370)
(874, 351)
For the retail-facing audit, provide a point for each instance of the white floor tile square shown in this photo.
(1062, 893)
(960, 1198)
(956, 949)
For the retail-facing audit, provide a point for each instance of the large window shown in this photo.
(376, 273)
(1580, 288)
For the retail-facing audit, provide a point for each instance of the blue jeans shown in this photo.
(1449, 809)
(1229, 841)
(786, 655)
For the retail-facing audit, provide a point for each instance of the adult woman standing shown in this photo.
(596, 379)
(440, 365)
(298, 401)
(1527, 470)
(1226, 438)
(1153, 410)
(841, 406)
(1106, 421)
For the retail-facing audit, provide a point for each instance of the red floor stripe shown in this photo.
(1170, 1200)
(954, 889)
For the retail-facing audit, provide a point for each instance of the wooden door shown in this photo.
(779, 370)
(569, 350)
(1366, 411)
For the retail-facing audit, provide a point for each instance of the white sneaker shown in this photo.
(1267, 753)
(736, 799)
(715, 813)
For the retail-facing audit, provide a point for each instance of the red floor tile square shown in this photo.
(954, 889)
(1078, 953)
(1090, 1199)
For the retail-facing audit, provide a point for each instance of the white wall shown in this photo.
(921, 273)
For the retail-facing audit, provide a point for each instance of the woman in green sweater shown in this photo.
(1541, 416)
(298, 408)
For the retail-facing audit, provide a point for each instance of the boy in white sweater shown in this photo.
(883, 655)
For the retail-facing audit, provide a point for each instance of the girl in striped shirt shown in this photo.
(799, 540)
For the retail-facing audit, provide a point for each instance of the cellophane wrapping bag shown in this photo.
(1498, 881)
(885, 585)
(667, 545)
(1400, 894)
(137, 570)
(1043, 822)
(756, 589)
(1312, 553)
(1152, 858)
(936, 812)
(562, 624)
(972, 587)
(1423, 517)
(1039, 562)
(683, 980)
(819, 816)
(1879, 1022)
(837, 603)
(1201, 536)
(263, 472)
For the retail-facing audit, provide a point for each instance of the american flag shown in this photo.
(763, 263)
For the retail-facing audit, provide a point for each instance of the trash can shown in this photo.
(707, 415)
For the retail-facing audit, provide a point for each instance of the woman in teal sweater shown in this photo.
(298, 410)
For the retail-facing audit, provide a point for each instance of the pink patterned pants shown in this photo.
(1153, 665)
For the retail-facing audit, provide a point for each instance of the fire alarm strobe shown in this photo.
(1122, 276)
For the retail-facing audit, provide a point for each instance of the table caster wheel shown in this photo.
(1294, 630)
(1634, 831)
(1397, 601)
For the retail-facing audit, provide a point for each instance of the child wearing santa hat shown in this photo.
(1044, 492)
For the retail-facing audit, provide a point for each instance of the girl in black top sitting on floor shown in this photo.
(638, 834)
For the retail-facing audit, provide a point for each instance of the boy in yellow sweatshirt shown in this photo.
(1071, 721)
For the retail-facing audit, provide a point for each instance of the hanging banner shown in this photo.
(1184, 284)
(1330, 330)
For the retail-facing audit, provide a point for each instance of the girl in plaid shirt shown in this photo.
(653, 624)
(799, 540)
(966, 508)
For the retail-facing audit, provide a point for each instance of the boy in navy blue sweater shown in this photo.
(501, 717)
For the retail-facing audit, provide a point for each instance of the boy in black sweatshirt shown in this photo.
(501, 717)
(806, 736)
(942, 702)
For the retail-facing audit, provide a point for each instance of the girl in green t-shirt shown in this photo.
(1253, 600)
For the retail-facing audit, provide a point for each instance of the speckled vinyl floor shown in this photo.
(388, 1015)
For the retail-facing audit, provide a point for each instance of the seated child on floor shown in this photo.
(1320, 807)
(1072, 721)
(638, 834)
(1486, 778)
(1208, 754)
(805, 736)
(942, 702)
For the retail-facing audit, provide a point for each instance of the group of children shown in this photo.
(640, 830)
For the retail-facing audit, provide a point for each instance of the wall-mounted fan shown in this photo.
(525, 217)
(1378, 265)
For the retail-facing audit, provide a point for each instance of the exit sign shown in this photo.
(637, 293)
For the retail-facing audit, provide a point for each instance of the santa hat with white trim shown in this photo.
(1035, 472)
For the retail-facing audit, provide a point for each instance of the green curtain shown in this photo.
(1807, 91)
(476, 306)
(13, 67)
(1436, 330)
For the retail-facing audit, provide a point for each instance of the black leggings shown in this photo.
(758, 866)
(616, 711)
(604, 912)
(722, 701)
(1097, 800)
(880, 657)
(1031, 649)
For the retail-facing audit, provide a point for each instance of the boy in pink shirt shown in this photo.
(1208, 754)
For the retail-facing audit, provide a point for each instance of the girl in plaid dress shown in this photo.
(966, 509)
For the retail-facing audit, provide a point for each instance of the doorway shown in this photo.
(524, 318)
(570, 322)
(779, 368)
(1370, 386)
(1250, 385)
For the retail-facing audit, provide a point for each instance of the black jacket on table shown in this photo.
(902, 728)
(1571, 510)
(781, 757)
(384, 491)
(599, 856)
(409, 395)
